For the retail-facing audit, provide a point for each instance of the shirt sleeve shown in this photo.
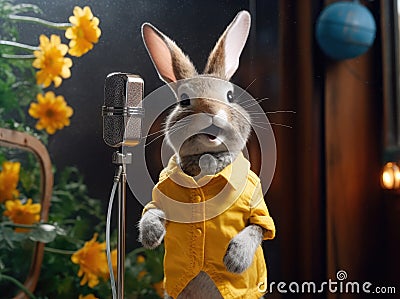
(149, 206)
(259, 214)
(154, 203)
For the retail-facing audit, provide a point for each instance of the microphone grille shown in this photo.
(114, 90)
(122, 90)
(113, 130)
(133, 126)
(134, 91)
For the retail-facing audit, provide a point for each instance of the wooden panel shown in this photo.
(332, 157)
(391, 243)
(353, 151)
(299, 179)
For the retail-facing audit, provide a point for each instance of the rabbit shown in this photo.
(207, 131)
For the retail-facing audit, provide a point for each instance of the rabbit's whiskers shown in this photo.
(261, 125)
(152, 134)
(238, 98)
(253, 102)
(271, 112)
(181, 121)
(259, 121)
(174, 129)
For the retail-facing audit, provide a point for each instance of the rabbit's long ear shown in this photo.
(224, 58)
(169, 60)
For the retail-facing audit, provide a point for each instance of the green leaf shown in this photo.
(44, 233)
(6, 237)
(2, 266)
(65, 285)
(20, 8)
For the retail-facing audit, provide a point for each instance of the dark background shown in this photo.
(194, 25)
(330, 211)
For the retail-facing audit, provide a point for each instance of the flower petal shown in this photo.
(52, 111)
(50, 60)
(84, 32)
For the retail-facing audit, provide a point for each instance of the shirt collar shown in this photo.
(235, 173)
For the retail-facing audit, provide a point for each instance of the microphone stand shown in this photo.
(121, 160)
(123, 94)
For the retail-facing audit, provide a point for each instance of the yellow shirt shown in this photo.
(202, 218)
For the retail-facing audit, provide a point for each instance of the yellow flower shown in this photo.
(114, 260)
(84, 31)
(19, 213)
(52, 111)
(159, 288)
(92, 261)
(9, 178)
(50, 61)
(90, 296)
(140, 260)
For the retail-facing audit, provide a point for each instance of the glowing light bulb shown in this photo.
(390, 178)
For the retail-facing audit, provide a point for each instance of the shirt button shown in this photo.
(199, 231)
(197, 198)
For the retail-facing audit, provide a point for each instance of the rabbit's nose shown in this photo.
(220, 119)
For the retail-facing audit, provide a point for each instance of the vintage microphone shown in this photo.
(122, 110)
(122, 126)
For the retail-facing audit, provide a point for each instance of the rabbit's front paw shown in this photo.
(152, 228)
(237, 258)
(241, 249)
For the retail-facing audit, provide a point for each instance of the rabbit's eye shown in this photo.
(229, 96)
(185, 100)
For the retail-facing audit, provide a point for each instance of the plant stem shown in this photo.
(59, 251)
(18, 45)
(17, 225)
(16, 56)
(18, 284)
(137, 250)
(61, 26)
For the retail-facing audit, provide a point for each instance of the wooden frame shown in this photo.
(27, 142)
(391, 87)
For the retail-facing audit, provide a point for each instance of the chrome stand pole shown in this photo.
(121, 159)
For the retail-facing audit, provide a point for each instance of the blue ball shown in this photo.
(345, 30)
